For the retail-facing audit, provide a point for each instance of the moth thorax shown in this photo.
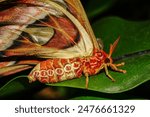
(100, 55)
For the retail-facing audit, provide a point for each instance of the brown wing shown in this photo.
(45, 29)
(82, 17)
(65, 35)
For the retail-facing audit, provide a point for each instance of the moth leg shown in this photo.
(120, 64)
(114, 67)
(107, 73)
(86, 80)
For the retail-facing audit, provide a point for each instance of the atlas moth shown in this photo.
(52, 36)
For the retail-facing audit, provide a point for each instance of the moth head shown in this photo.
(111, 50)
(108, 62)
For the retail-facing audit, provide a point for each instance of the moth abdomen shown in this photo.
(56, 70)
(60, 69)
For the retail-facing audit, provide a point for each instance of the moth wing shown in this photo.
(8, 70)
(83, 18)
(42, 33)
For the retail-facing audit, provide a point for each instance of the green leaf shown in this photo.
(134, 35)
(11, 87)
(16, 88)
(134, 38)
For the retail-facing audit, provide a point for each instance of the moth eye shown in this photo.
(107, 60)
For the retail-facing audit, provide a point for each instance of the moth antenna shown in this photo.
(113, 46)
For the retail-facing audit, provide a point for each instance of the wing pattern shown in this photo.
(34, 30)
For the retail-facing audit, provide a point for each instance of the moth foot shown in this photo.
(114, 67)
(107, 73)
(87, 80)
